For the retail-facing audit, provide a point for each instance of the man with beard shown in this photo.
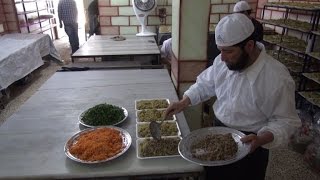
(255, 94)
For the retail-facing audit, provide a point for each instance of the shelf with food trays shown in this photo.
(296, 24)
(29, 23)
(289, 23)
(309, 88)
(313, 76)
(29, 12)
(315, 55)
(27, 1)
(316, 32)
(312, 67)
(44, 29)
(288, 42)
(290, 10)
(36, 27)
(294, 63)
(35, 16)
(35, 20)
(311, 96)
(309, 6)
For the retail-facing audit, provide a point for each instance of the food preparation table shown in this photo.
(20, 54)
(32, 140)
(106, 46)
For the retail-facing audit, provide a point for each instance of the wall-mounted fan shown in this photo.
(142, 9)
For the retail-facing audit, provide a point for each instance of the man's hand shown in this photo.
(257, 141)
(177, 107)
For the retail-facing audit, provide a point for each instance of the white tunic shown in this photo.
(260, 98)
(166, 49)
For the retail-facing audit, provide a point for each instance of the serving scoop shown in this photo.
(155, 128)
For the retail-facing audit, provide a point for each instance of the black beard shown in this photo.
(241, 64)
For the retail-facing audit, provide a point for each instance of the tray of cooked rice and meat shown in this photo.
(213, 146)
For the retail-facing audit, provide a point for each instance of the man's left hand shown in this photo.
(257, 141)
(253, 140)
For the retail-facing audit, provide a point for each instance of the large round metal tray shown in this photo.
(185, 144)
(126, 138)
(87, 125)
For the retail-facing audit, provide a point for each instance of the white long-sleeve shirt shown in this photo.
(260, 98)
(166, 49)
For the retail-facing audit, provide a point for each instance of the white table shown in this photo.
(105, 46)
(20, 54)
(32, 139)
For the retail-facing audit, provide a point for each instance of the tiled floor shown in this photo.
(283, 163)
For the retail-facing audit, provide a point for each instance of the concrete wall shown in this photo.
(118, 17)
(8, 17)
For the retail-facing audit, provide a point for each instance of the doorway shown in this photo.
(81, 22)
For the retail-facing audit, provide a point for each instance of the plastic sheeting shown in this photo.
(20, 54)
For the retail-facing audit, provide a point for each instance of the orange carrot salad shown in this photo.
(97, 145)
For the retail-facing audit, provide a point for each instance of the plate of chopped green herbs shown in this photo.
(103, 115)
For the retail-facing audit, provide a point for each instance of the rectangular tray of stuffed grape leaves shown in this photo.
(148, 115)
(148, 148)
(156, 103)
(168, 128)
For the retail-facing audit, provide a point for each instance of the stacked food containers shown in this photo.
(148, 110)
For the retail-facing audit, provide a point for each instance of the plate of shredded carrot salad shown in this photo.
(98, 144)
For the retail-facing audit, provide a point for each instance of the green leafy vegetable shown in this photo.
(102, 115)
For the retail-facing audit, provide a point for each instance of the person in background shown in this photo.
(255, 95)
(244, 8)
(166, 53)
(68, 14)
(93, 17)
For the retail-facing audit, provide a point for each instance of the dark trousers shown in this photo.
(93, 25)
(253, 166)
(72, 32)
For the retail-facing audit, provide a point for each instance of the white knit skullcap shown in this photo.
(241, 6)
(233, 29)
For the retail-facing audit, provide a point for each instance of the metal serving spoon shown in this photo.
(155, 128)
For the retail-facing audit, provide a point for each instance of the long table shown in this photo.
(32, 140)
(106, 46)
(20, 54)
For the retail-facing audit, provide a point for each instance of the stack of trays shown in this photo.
(148, 110)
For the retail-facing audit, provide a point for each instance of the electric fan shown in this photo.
(142, 8)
